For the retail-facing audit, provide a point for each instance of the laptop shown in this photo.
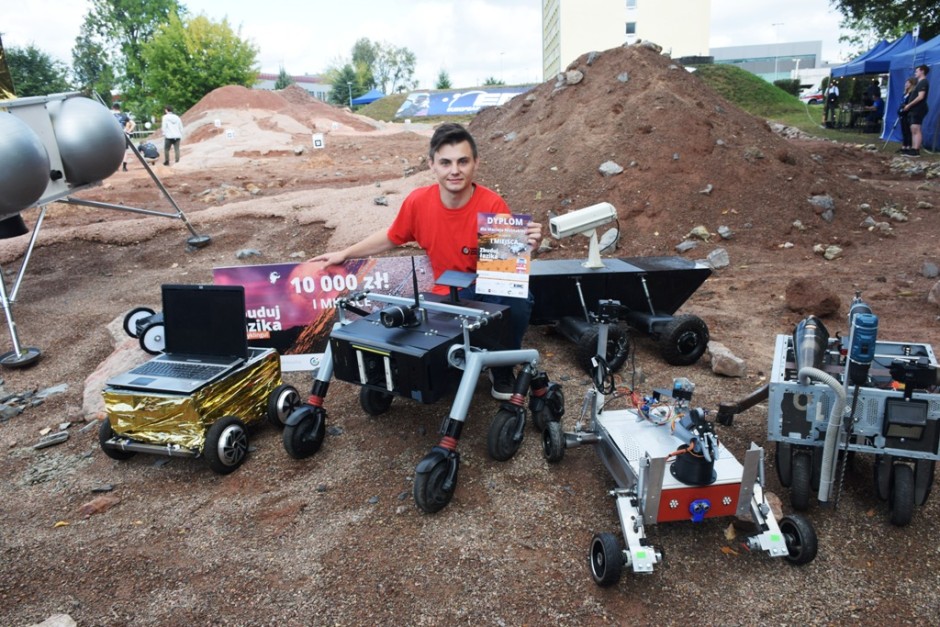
(204, 331)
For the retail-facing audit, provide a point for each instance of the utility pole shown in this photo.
(349, 85)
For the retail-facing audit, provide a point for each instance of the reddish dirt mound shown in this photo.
(689, 156)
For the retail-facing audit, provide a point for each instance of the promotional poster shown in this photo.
(291, 307)
(424, 103)
(503, 266)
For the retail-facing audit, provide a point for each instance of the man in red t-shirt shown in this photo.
(442, 219)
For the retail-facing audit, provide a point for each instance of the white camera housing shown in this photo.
(585, 221)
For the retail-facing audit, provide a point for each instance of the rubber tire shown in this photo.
(306, 437)
(552, 409)
(105, 433)
(373, 402)
(281, 404)
(429, 497)
(882, 484)
(902, 495)
(606, 559)
(499, 443)
(153, 339)
(586, 348)
(683, 340)
(802, 544)
(801, 480)
(553, 443)
(226, 445)
(780, 450)
(133, 316)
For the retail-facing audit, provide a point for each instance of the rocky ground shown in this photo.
(336, 539)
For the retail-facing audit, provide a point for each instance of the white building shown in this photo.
(313, 84)
(571, 28)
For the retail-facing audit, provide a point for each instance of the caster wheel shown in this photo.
(374, 402)
(606, 559)
(549, 408)
(434, 488)
(304, 432)
(683, 340)
(226, 445)
(133, 317)
(800, 538)
(553, 443)
(152, 339)
(281, 404)
(505, 436)
(105, 433)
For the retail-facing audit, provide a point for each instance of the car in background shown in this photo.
(812, 97)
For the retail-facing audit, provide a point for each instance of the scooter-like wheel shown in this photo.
(549, 408)
(800, 537)
(606, 559)
(281, 404)
(304, 432)
(553, 443)
(430, 490)
(153, 339)
(505, 436)
(133, 317)
(226, 445)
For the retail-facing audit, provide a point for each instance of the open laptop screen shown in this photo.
(205, 320)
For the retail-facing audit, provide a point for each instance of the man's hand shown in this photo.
(329, 259)
(534, 235)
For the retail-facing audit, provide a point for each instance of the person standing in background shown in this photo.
(904, 118)
(830, 105)
(172, 128)
(917, 109)
(128, 125)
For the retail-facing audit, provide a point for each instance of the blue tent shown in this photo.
(902, 67)
(842, 70)
(366, 98)
(878, 62)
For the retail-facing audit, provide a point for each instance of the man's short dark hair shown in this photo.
(168, 109)
(116, 105)
(449, 134)
(923, 68)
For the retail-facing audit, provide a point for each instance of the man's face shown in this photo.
(919, 73)
(454, 166)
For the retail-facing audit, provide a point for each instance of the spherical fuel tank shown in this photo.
(25, 173)
(91, 142)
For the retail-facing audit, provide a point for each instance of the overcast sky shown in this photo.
(471, 39)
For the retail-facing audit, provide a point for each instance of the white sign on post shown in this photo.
(318, 140)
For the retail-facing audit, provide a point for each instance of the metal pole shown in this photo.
(349, 86)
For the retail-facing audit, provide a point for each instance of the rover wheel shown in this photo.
(606, 559)
(801, 480)
(134, 316)
(304, 434)
(105, 433)
(226, 445)
(800, 537)
(783, 456)
(902, 495)
(153, 339)
(505, 436)
(374, 402)
(882, 476)
(281, 403)
(430, 495)
(553, 443)
(683, 340)
(550, 409)
(618, 348)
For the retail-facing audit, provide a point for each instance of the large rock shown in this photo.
(809, 296)
(724, 362)
(127, 355)
(934, 295)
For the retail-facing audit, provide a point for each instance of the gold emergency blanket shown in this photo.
(184, 420)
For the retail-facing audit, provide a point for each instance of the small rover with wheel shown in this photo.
(146, 325)
(668, 466)
(425, 349)
(211, 423)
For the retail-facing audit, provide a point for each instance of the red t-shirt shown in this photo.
(448, 236)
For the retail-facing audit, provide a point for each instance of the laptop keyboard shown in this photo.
(177, 370)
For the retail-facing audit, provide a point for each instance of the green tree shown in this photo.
(364, 54)
(344, 85)
(394, 68)
(891, 18)
(186, 59)
(121, 28)
(492, 80)
(443, 80)
(284, 80)
(35, 73)
(93, 73)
